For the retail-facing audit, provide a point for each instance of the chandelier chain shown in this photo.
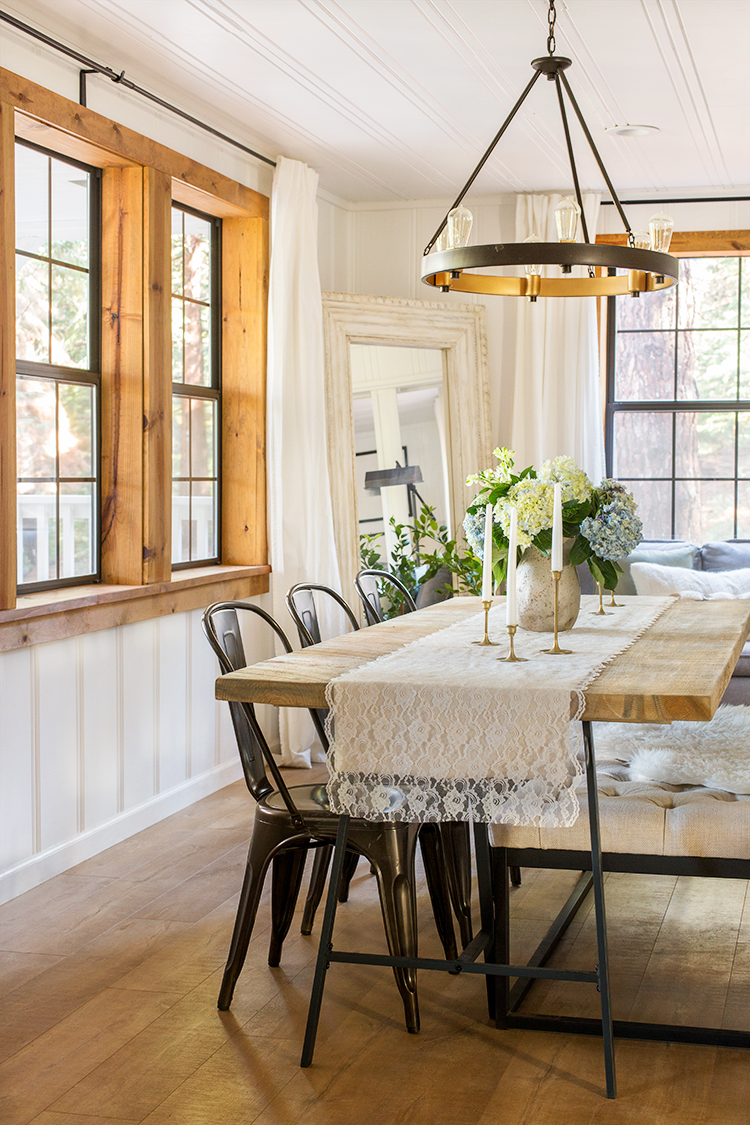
(551, 17)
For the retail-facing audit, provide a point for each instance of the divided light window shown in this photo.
(678, 409)
(196, 387)
(57, 349)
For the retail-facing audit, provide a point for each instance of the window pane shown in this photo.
(180, 436)
(654, 499)
(707, 365)
(32, 201)
(704, 445)
(180, 521)
(708, 293)
(197, 345)
(743, 509)
(642, 444)
(202, 545)
(202, 430)
(655, 311)
(177, 359)
(644, 366)
(35, 427)
(197, 251)
(70, 214)
(77, 530)
(37, 532)
(75, 429)
(745, 363)
(743, 444)
(32, 310)
(745, 318)
(70, 317)
(704, 510)
(176, 251)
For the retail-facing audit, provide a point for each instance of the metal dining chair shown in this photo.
(370, 583)
(290, 821)
(455, 838)
(436, 851)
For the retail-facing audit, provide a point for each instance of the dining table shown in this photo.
(676, 669)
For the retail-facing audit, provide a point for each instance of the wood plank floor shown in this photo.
(109, 976)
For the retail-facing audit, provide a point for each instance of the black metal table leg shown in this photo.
(324, 948)
(486, 907)
(601, 921)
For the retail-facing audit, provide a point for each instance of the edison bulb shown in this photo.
(567, 214)
(642, 239)
(660, 227)
(460, 222)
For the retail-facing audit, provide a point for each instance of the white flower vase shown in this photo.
(535, 592)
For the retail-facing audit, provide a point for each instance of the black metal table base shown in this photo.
(492, 941)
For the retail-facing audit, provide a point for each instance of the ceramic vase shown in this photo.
(535, 592)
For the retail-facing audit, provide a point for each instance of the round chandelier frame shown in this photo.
(648, 271)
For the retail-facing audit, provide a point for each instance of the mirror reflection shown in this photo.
(399, 414)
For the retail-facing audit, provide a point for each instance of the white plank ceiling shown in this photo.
(396, 99)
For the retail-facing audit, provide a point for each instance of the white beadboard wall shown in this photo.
(104, 734)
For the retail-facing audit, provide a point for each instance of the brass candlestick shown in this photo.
(612, 602)
(556, 650)
(601, 611)
(486, 606)
(511, 658)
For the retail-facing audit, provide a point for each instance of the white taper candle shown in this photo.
(487, 560)
(557, 529)
(511, 613)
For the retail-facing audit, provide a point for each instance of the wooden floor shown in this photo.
(109, 976)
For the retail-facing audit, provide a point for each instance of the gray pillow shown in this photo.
(733, 554)
(673, 553)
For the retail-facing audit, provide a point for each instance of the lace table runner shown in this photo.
(443, 730)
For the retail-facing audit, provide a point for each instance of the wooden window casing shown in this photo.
(140, 179)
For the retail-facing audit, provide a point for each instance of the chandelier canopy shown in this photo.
(449, 261)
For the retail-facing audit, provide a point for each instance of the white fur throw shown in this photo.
(656, 581)
(715, 754)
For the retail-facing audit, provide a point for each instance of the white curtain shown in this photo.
(557, 404)
(301, 538)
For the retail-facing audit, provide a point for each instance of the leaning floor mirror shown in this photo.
(406, 389)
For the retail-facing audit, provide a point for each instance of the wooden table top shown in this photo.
(678, 669)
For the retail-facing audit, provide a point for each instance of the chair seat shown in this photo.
(310, 799)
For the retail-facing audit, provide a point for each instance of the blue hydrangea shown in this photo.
(474, 532)
(615, 530)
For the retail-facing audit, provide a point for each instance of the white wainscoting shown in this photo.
(104, 734)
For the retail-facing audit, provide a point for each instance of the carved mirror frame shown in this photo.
(458, 330)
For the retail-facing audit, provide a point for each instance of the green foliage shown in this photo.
(421, 550)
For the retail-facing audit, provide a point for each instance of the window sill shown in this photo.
(54, 615)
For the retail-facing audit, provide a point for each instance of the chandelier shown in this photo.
(448, 259)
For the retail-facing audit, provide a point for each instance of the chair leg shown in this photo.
(501, 894)
(350, 866)
(264, 840)
(434, 869)
(515, 875)
(457, 849)
(318, 875)
(392, 854)
(287, 875)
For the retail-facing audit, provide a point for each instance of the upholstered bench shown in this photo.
(646, 818)
(649, 828)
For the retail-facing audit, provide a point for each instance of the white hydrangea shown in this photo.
(575, 484)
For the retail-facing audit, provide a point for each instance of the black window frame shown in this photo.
(57, 373)
(213, 393)
(673, 406)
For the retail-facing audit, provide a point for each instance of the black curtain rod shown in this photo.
(701, 199)
(92, 67)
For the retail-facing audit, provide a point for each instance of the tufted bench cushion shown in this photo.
(647, 818)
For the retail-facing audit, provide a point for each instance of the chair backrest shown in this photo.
(300, 602)
(221, 624)
(369, 585)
